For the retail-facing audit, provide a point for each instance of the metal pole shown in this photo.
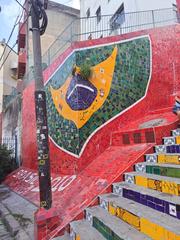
(153, 19)
(41, 116)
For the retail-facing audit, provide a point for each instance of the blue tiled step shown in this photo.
(168, 170)
(159, 201)
(175, 148)
(163, 220)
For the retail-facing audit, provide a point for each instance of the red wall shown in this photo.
(164, 81)
(178, 4)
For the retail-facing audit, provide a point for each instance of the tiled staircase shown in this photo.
(145, 206)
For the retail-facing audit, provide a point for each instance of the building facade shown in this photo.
(111, 17)
(8, 80)
(59, 18)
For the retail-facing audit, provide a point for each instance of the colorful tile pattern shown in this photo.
(168, 158)
(176, 132)
(144, 225)
(151, 158)
(130, 78)
(163, 171)
(159, 185)
(150, 201)
(169, 140)
(105, 230)
(167, 148)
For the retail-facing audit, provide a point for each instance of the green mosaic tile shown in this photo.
(173, 172)
(105, 230)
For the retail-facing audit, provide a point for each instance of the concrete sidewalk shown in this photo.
(16, 216)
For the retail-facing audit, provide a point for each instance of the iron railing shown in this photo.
(7, 99)
(108, 25)
(93, 28)
(11, 144)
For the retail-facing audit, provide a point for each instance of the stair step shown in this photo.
(160, 183)
(168, 170)
(172, 158)
(82, 230)
(146, 220)
(171, 140)
(175, 148)
(110, 226)
(176, 132)
(64, 237)
(162, 202)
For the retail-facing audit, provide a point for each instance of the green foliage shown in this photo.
(7, 163)
(85, 71)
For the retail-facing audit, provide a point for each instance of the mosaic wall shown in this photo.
(76, 108)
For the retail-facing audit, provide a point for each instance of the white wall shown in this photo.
(110, 7)
(130, 5)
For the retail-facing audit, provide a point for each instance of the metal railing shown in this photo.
(7, 99)
(11, 144)
(108, 25)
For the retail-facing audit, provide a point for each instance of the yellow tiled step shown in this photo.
(168, 158)
(156, 225)
(156, 182)
(171, 158)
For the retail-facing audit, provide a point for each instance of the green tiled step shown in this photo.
(82, 230)
(159, 201)
(160, 183)
(169, 170)
(143, 218)
(112, 227)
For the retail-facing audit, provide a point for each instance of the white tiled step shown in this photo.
(169, 140)
(161, 219)
(153, 157)
(84, 229)
(176, 132)
(119, 227)
(160, 148)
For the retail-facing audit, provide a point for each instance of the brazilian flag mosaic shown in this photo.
(76, 108)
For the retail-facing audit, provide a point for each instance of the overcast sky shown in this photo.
(10, 10)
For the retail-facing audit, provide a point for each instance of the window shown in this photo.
(98, 14)
(88, 13)
(118, 18)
